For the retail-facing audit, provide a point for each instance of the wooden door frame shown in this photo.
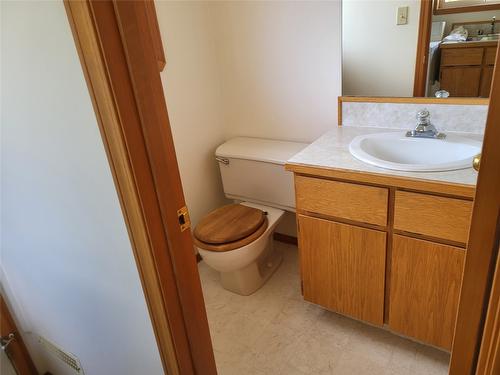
(117, 42)
(16, 351)
(424, 37)
(465, 9)
(482, 247)
(489, 354)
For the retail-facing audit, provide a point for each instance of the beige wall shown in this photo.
(260, 69)
(279, 66)
(192, 89)
(378, 55)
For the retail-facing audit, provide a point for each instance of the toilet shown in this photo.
(237, 239)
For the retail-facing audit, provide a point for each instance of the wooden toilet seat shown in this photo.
(230, 227)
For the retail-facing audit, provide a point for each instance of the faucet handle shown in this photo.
(423, 116)
(424, 128)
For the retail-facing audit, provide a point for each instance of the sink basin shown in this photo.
(398, 152)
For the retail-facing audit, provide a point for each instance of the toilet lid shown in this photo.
(229, 223)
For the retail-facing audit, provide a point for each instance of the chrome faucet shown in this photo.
(424, 128)
(493, 20)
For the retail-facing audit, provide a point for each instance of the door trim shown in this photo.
(121, 66)
(489, 355)
(16, 351)
(424, 36)
(482, 248)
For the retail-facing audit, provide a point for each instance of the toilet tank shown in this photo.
(253, 169)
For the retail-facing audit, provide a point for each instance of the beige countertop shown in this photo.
(331, 151)
(469, 43)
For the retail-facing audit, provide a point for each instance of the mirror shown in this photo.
(444, 48)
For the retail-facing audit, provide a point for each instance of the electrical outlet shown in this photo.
(402, 16)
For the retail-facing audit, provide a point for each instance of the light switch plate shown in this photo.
(402, 15)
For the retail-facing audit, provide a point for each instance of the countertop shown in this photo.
(469, 43)
(331, 151)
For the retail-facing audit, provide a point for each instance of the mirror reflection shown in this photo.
(439, 48)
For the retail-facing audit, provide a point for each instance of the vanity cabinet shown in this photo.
(467, 68)
(383, 254)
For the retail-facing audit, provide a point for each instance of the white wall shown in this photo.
(378, 55)
(260, 69)
(65, 250)
(5, 365)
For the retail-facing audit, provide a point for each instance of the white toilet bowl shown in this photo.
(238, 241)
(245, 269)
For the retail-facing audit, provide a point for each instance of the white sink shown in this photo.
(396, 151)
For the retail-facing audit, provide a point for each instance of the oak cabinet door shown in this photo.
(461, 81)
(343, 267)
(486, 79)
(425, 287)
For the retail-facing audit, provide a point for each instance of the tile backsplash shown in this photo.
(479, 28)
(445, 117)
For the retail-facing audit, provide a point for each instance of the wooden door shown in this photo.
(16, 349)
(121, 55)
(482, 247)
(425, 285)
(461, 81)
(489, 355)
(343, 267)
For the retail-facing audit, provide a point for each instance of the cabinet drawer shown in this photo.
(361, 203)
(490, 54)
(461, 56)
(440, 217)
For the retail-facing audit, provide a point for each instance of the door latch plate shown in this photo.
(183, 216)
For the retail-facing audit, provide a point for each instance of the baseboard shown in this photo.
(285, 238)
